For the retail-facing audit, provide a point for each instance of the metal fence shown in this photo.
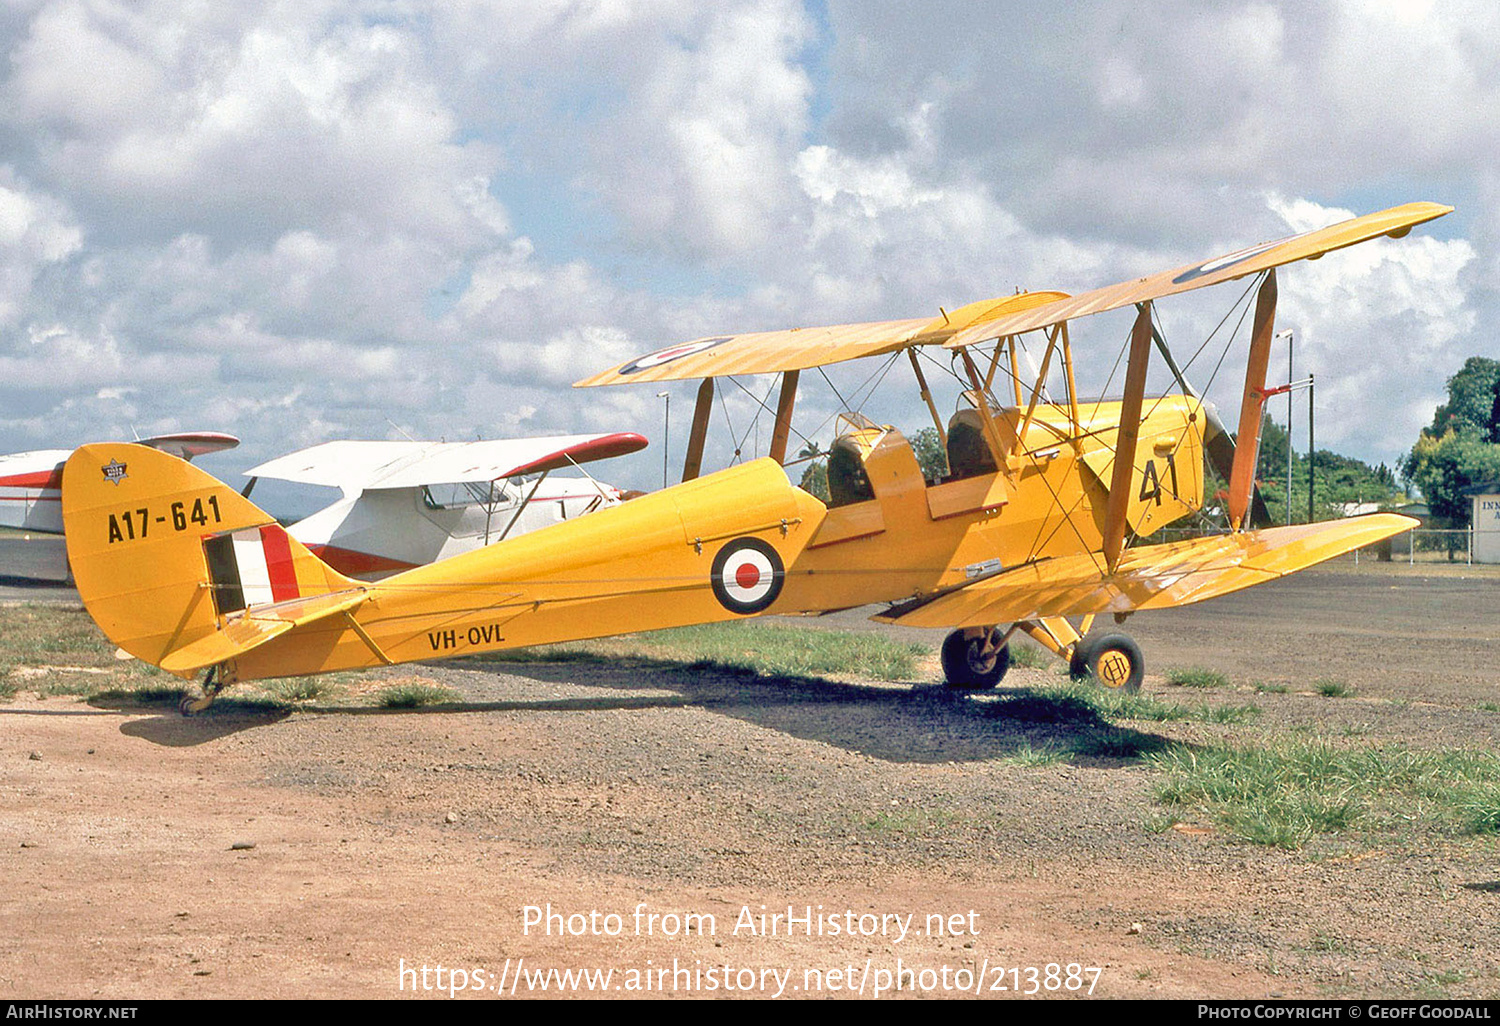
(1423, 545)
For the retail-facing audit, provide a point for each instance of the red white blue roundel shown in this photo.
(1228, 260)
(671, 353)
(747, 575)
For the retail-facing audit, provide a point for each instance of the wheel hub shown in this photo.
(1114, 669)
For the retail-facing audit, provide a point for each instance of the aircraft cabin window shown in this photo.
(847, 481)
(968, 453)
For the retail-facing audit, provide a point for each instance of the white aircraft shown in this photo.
(407, 504)
(31, 482)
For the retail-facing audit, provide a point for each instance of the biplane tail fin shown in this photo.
(179, 569)
(1147, 577)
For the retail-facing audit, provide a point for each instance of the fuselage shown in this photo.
(745, 541)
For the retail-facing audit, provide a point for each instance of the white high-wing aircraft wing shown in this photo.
(370, 465)
(31, 482)
(410, 503)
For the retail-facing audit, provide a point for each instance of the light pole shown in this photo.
(666, 427)
(1311, 389)
(1289, 376)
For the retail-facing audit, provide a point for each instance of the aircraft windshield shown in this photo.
(461, 495)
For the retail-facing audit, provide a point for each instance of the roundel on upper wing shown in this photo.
(747, 575)
(1228, 260)
(671, 353)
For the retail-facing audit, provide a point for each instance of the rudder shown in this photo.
(162, 553)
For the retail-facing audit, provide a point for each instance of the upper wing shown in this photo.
(1395, 222)
(187, 444)
(1149, 577)
(412, 464)
(767, 352)
(798, 348)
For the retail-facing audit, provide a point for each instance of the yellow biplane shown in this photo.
(1029, 530)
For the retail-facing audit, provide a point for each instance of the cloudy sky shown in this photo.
(314, 220)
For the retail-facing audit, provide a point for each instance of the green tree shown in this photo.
(1462, 445)
(1473, 406)
(1338, 480)
(931, 456)
(1443, 467)
(815, 478)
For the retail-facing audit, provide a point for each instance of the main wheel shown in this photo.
(975, 663)
(1114, 660)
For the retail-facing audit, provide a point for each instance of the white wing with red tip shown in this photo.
(369, 465)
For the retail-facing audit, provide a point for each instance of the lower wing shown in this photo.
(1148, 577)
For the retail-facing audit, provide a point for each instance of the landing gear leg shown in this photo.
(975, 658)
(213, 682)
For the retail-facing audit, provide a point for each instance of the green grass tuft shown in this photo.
(1333, 688)
(1029, 755)
(1479, 810)
(1197, 677)
(1226, 713)
(1029, 656)
(144, 694)
(410, 696)
(298, 689)
(1118, 743)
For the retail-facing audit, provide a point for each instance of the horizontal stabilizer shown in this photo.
(1148, 577)
(187, 444)
(255, 627)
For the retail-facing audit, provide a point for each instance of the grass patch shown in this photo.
(1197, 677)
(1284, 794)
(411, 696)
(145, 694)
(1029, 656)
(1116, 704)
(290, 690)
(1333, 689)
(1479, 810)
(766, 649)
(1121, 705)
(1029, 755)
(1262, 688)
(75, 686)
(1226, 713)
(46, 647)
(1118, 743)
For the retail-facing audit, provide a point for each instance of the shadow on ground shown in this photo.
(892, 722)
(921, 723)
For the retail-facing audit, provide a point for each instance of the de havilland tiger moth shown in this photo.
(1030, 530)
